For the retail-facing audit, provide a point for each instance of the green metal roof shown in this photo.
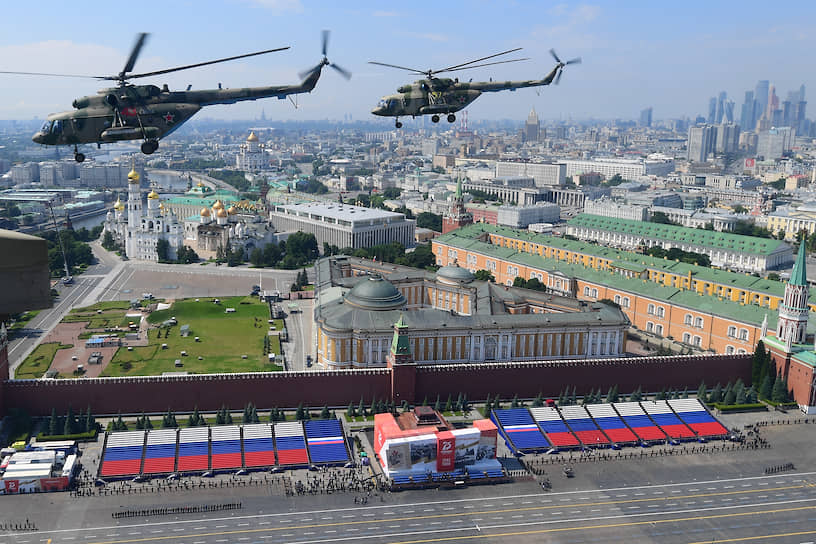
(799, 272)
(375, 293)
(704, 238)
(749, 313)
(627, 260)
(400, 344)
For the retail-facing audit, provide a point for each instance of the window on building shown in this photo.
(729, 350)
(688, 319)
(491, 265)
(650, 309)
(594, 293)
(625, 302)
(741, 351)
(686, 338)
(697, 341)
(661, 312)
(743, 335)
(617, 299)
(587, 290)
(649, 326)
(732, 331)
(659, 330)
(698, 322)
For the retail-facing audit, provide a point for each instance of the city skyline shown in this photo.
(635, 56)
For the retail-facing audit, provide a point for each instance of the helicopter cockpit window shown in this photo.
(384, 103)
(46, 127)
(56, 127)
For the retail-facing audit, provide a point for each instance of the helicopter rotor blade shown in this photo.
(50, 75)
(479, 60)
(480, 65)
(558, 76)
(340, 70)
(134, 53)
(576, 60)
(423, 72)
(196, 65)
(555, 56)
(325, 40)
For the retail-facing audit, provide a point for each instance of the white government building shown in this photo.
(343, 225)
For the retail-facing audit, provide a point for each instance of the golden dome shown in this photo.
(252, 137)
(221, 213)
(217, 205)
(199, 184)
(205, 212)
(133, 176)
(232, 210)
(118, 206)
(152, 195)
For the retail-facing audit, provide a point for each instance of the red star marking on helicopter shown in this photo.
(130, 112)
(169, 117)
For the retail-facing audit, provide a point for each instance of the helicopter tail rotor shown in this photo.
(325, 60)
(562, 64)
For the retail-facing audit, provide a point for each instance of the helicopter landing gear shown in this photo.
(398, 123)
(435, 118)
(149, 146)
(451, 118)
(78, 157)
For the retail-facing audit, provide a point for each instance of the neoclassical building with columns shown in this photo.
(451, 317)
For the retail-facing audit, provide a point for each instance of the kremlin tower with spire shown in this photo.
(456, 216)
(793, 356)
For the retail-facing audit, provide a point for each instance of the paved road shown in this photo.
(70, 296)
(301, 340)
(779, 508)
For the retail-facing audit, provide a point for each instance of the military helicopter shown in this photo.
(147, 112)
(438, 96)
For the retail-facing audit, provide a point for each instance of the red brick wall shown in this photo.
(800, 377)
(134, 395)
(550, 378)
(338, 388)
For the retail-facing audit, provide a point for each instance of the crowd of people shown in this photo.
(327, 480)
(15, 526)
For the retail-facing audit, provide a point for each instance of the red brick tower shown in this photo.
(456, 216)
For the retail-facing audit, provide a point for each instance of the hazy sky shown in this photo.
(670, 55)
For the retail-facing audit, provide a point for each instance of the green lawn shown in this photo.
(105, 320)
(38, 361)
(225, 337)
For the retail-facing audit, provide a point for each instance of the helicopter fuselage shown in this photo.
(436, 96)
(145, 112)
(427, 97)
